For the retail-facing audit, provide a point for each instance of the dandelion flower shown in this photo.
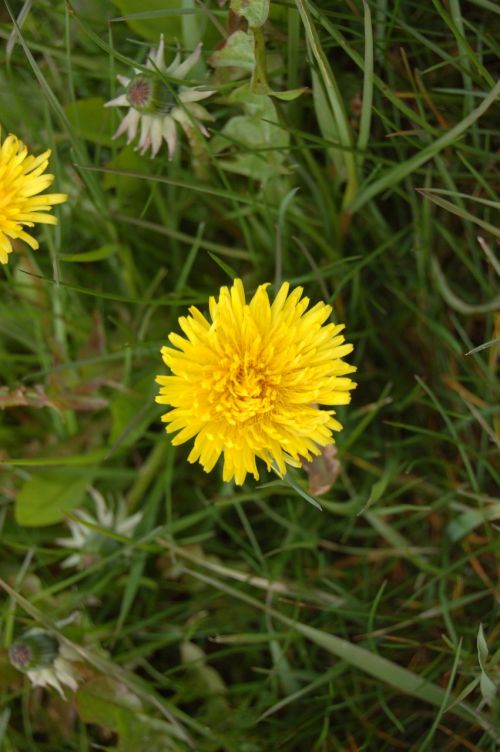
(249, 384)
(155, 109)
(22, 180)
(90, 544)
(45, 661)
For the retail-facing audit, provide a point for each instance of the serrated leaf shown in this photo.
(255, 11)
(238, 52)
(44, 499)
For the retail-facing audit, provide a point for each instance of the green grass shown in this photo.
(246, 619)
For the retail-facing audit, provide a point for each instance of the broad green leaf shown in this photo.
(258, 145)
(109, 703)
(92, 121)
(238, 52)
(45, 498)
(123, 173)
(249, 134)
(288, 96)
(106, 702)
(162, 19)
(255, 11)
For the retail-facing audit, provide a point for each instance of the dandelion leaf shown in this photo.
(255, 11)
(91, 121)
(45, 498)
(238, 52)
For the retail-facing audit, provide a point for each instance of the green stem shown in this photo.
(259, 78)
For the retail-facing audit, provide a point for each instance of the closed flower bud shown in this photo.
(154, 109)
(36, 649)
(148, 95)
(45, 660)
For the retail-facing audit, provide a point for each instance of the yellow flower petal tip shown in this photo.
(22, 201)
(250, 383)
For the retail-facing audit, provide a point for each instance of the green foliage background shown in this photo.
(246, 619)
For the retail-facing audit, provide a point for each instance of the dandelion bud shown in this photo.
(154, 110)
(148, 95)
(36, 649)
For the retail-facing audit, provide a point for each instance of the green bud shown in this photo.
(148, 95)
(34, 650)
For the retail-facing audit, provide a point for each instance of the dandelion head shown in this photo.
(157, 106)
(45, 661)
(249, 383)
(140, 92)
(150, 96)
(22, 201)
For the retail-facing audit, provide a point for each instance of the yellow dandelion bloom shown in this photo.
(249, 384)
(22, 179)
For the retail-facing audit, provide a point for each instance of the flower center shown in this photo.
(148, 95)
(241, 390)
(139, 92)
(20, 655)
